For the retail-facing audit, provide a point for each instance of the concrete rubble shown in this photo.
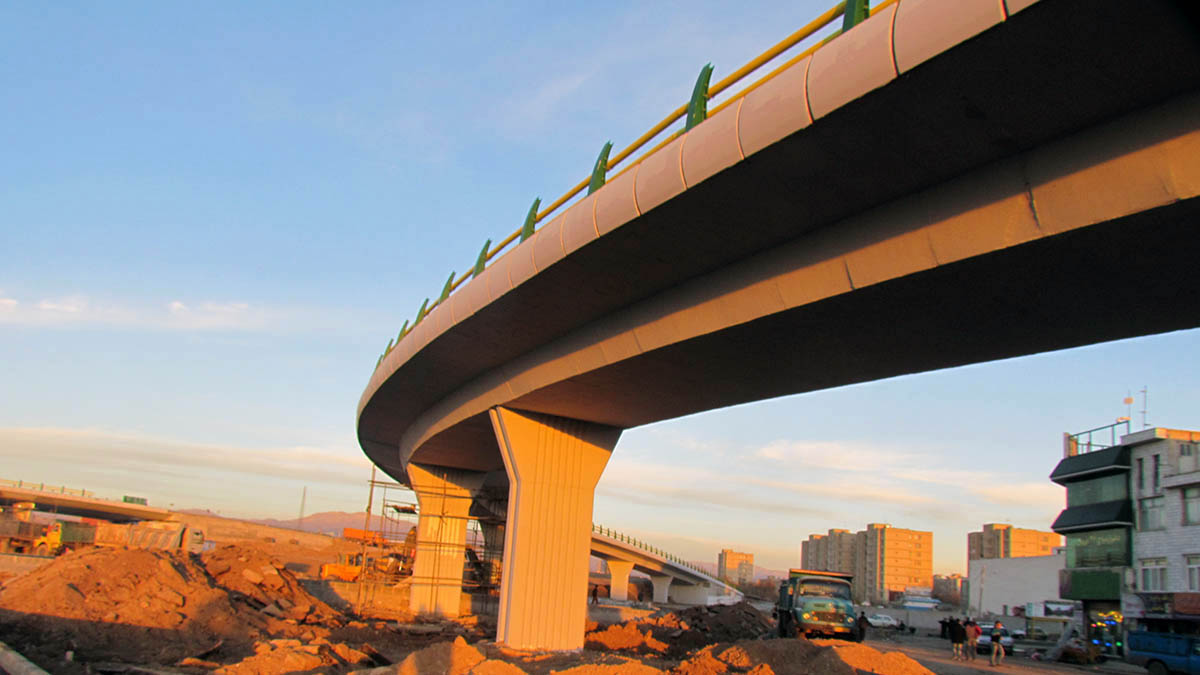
(236, 610)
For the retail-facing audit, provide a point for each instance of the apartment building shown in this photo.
(1001, 540)
(832, 552)
(735, 567)
(1165, 489)
(884, 560)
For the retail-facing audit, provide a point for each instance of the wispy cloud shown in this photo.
(254, 481)
(173, 315)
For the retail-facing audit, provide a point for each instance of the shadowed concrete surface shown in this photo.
(948, 183)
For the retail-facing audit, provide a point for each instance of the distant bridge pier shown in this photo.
(618, 575)
(444, 496)
(553, 465)
(662, 587)
(689, 594)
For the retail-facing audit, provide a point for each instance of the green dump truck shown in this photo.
(816, 603)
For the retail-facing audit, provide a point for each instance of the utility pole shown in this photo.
(303, 498)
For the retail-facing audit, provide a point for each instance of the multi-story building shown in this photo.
(832, 552)
(890, 559)
(1165, 488)
(884, 560)
(1000, 540)
(735, 567)
(949, 588)
(1098, 526)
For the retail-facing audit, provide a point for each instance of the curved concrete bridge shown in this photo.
(950, 182)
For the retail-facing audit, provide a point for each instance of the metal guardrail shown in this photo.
(695, 111)
(639, 544)
(42, 487)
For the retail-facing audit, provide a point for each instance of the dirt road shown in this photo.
(934, 654)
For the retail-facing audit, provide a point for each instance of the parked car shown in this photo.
(1034, 633)
(882, 621)
(985, 641)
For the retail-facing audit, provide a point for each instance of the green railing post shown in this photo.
(855, 13)
(421, 312)
(481, 261)
(530, 220)
(600, 169)
(446, 289)
(698, 106)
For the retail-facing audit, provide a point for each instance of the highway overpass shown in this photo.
(948, 182)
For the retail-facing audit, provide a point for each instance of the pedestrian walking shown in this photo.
(957, 636)
(997, 645)
(972, 644)
(595, 594)
(863, 623)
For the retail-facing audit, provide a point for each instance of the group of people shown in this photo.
(964, 639)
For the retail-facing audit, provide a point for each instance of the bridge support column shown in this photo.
(618, 575)
(444, 496)
(662, 584)
(553, 465)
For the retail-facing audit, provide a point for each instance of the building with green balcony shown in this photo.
(1098, 526)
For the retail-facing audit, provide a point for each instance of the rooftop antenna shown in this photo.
(1145, 392)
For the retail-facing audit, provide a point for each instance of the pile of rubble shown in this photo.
(233, 605)
(675, 633)
(745, 657)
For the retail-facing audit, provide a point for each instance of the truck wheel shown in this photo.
(42, 550)
(1156, 668)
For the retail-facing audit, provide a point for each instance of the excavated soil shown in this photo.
(235, 607)
(238, 610)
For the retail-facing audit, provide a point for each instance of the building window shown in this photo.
(1193, 572)
(1141, 474)
(1098, 548)
(1154, 574)
(1188, 458)
(1096, 490)
(1150, 513)
(1191, 506)
(1156, 472)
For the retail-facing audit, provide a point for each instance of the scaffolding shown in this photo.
(474, 566)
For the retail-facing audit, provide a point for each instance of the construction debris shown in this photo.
(236, 610)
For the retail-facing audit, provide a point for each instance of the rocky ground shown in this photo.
(238, 610)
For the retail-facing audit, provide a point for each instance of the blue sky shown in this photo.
(212, 217)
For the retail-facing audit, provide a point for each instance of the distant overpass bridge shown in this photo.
(76, 503)
(674, 579)
(947, 182)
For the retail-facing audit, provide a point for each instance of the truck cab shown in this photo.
(814, 602)
(1163, 653)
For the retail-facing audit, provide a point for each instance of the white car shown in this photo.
(882, 621)
(985, 641)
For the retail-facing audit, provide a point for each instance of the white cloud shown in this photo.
(112, 463)
(176, 315)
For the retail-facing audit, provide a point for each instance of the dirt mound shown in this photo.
(108, 604)
(264, 583)
(158, 607)
(874, 661)
(680, 632)
(624, 636)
